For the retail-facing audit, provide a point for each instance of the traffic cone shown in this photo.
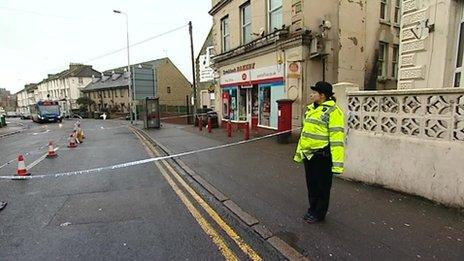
(51, 150)
(72, 141)
(22, 170)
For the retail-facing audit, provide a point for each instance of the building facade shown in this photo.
(432, 44)
(204, 74)
(7, 100)
(110, 91)
(267, 50)
(27, 98)
(66, 86)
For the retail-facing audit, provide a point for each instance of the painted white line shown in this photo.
(37, 161)
(37, 133)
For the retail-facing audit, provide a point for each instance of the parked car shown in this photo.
(25, 116)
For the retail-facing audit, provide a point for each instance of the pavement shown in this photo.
(124, 214)
(364, 222)
(13, 126)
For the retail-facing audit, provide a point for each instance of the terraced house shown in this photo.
(266, 50)
(66, 86)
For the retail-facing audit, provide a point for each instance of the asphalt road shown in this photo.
(124, 214)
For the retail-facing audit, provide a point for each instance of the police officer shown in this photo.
(321, 149)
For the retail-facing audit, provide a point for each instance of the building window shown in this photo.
(116, 93)
(384, 9)
(169, 89)
(225, 32)
(275, 15)
(81, 81)
(121, 93)
(104, 94)
(397, 11)
(459, 72)
(245, 12)
(382, 60)
(395, 57)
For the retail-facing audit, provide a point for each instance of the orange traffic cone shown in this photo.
(22, 170)
(51, 151)
(72, 141)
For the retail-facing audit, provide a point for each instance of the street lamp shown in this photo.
(131, 95)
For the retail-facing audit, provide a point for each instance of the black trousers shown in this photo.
(319, 182)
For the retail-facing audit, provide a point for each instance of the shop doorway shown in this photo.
(252, 106)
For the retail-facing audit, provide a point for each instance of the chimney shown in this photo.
(73, 66)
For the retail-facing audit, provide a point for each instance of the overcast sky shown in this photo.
(42, 37)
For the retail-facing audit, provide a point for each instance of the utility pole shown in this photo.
(193, 72)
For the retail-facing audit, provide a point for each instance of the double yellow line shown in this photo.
(204, 224)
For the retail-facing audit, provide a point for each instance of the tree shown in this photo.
(84, 103)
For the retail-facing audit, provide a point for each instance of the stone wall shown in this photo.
(407, 140)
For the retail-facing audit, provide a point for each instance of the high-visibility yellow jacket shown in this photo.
(323, 126)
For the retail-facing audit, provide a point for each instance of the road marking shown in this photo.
(37, 161)
(211, 212)
(37, 133)
(204, 224)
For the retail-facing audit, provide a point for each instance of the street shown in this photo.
(136, 213)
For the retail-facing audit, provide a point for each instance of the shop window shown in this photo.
(245, 11)
(268, 96)
(275, 15)
(230, 103)
(458, 73)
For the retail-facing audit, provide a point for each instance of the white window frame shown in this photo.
(383, 61)
(386, 13)
(243, 24)
(397, 12)
(225, 36)
(271, 11)
(395, 61)
(459, 38)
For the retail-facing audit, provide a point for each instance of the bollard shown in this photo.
(210, 128)
(200, 124)
(229, 129)
(247, 131)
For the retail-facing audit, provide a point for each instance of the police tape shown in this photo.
(144, 161)
(183, 116)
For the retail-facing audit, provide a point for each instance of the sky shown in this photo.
(42, 37)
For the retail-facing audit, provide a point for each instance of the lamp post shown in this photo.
(131, 95)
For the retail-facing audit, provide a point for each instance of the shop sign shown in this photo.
(240, 77)
(206, 72)
(240, 68)
(274, 71)
(252, 76)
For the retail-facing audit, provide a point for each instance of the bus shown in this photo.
(46, 111)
